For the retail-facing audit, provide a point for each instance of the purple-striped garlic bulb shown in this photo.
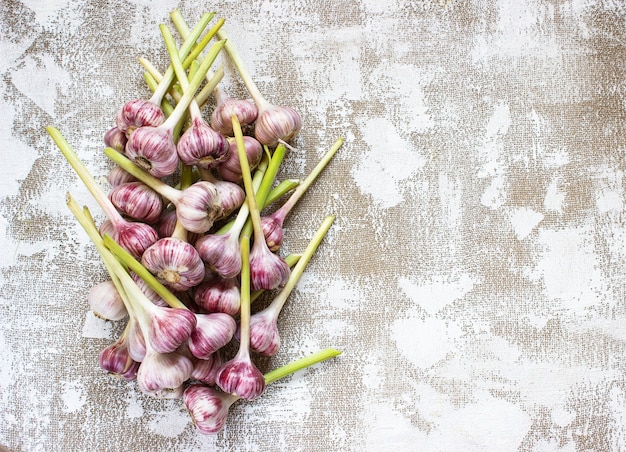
(212, 332)
(219, 295)
(137, 201)
(225, 107)
(267, 270)
(208, 408)
(230, 169)
(118, 176)
(116, 360)
(202, 146)
(162, 375)
(175, 263)
(116, 139)
(221, 253)
(105, 301)
(138, 113)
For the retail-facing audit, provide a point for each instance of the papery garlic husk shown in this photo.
(219, 295)
(162, 375)
(137, 201)
(199, 207)
(230, 169)
(148, 291)
(221, 118)
(116, 139)
(153, 149)
(264, 335)
(202, 146)
(207, 407)
(170, 327)
(138, 113)
(277, 123)
(105, 301)
(136, 341)
(267, 270)
(221, 253)
(135, 237)
(232, 196)
(118, 176)
(241, 377)
(116, 360)
(175, 263)
(205, 370)
(212, 332)
(273, 231)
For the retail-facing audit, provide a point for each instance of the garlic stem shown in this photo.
(155, 183)
(152, 83)
(259, 99)
(300, 364)
(244, 310)
(194, 84)
(168, 77)
(81, 170)
(283, 187)
(255, 216)
(306, 183)
(276, 305)
(268, 181)
(141, 271)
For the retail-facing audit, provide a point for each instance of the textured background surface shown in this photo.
(475, 278)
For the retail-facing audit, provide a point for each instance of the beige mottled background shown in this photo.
(475, 278)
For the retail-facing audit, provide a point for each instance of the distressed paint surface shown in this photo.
(475, 278)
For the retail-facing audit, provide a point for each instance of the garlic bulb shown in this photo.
(105, 301)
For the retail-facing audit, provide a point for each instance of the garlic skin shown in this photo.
(239, 376)
(162, 375)
(273, 232)
(137, 201)
(135, 237)
(207, 407)
(221, 253)
(148, 291)
(277, 123)
(153, 149)
(105, 301)
(116, 139)
(118, 176)
(232, 196)
(221, 118)
(175, 263)
(199, 207)
(230, 169)
(202, 146)
(212, 332)
(170, 327)
(116, 360)
(138, 113)
(264, 336)
(136, 341)
(205, 370)
(220, 295)
(267, 270)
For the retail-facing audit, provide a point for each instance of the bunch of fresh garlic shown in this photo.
(187, 257)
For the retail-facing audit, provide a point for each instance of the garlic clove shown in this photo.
(118, 176)
(202, 146)
(241, 377)
(205, 370)
(230, 169)
(221, 118)
(219, 295)
(207, 407)
(199, 207)
(277, 123)
(116, 360)
(138, 113)
(161, 375)
(175, 263)
(273, 232)
(267, 270)
(221, 253)
(137, 201)
(105, 301)
(212, 332)
(170, 327)
(264, 336)
(153, 149)
(116, 139)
